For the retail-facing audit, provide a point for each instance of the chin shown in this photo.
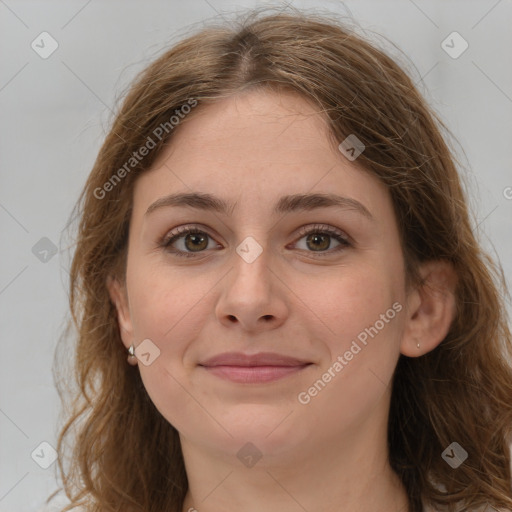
(270, 431)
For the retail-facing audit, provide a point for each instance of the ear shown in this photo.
(430, 309)
(119, 298)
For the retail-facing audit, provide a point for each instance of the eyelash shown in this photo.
(167, 242)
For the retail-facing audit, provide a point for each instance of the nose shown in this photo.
(253, 296)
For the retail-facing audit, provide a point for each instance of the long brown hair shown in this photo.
(125, 455)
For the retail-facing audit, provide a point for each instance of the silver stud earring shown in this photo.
(418, 345)
(131, 350)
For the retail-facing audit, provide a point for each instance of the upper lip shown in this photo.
(261, 359)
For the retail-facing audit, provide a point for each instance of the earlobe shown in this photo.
(119, 298)
(430, 309)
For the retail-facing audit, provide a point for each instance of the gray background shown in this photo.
(55, 113)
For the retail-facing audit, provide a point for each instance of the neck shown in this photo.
(355, 477)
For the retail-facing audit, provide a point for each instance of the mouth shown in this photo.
(253, 369)
(254, 374)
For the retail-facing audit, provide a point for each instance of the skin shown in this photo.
(329, 454)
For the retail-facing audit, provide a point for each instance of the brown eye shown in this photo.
(196, 241)
(318, 242)
(191, 241)
(187, 241)
(319, 239)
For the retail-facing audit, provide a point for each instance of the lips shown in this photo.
(253, 369)
(261, 359)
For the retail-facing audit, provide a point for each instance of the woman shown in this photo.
(275, 235)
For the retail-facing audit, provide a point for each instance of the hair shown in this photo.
(125, 454)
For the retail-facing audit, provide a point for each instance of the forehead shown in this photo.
(263, 123)
(255, 146)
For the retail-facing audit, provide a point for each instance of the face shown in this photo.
(316, 281)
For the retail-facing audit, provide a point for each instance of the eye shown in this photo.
(318, 239)
(186, 241)
(189, 240)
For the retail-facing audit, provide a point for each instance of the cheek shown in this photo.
(355, 377)
(166, 309)
(346, 302)
(165, 301)
(357, 322)
(167, 388)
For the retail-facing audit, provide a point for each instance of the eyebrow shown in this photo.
(286, 204)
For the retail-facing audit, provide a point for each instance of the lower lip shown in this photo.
(253, 374)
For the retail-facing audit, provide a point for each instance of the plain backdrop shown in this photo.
(54, 115)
